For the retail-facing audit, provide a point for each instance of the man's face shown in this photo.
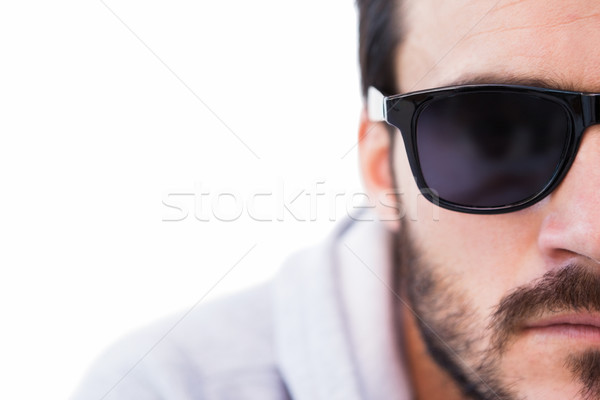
(468, 264)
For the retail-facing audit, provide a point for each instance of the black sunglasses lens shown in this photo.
(490, 149)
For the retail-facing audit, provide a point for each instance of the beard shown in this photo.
(470, 349)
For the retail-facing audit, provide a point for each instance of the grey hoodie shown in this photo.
(321, 329)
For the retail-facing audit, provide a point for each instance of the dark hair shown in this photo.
(379, 35)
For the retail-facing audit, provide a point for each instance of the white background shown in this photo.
(105, 115)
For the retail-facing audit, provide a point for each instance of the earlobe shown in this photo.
(374, 155)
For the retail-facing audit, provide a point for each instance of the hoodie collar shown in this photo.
(334, 334)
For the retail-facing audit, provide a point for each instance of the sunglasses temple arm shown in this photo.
(375, 105)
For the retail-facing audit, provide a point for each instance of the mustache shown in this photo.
(574, 288)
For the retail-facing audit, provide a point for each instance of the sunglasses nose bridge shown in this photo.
(591, 109)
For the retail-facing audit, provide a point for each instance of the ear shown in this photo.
(374, 148)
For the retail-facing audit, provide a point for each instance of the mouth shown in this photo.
(584, 327)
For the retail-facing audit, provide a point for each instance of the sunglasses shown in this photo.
(488, 149)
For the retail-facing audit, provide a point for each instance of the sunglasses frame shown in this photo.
(402, 111)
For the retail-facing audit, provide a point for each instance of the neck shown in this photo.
(429, 381)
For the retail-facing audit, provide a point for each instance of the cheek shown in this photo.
(485, 255)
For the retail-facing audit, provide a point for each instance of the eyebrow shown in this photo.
(508, 79)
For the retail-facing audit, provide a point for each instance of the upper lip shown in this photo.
(588, 319)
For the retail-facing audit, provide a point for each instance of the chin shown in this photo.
(539, 367)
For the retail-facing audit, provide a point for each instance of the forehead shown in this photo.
(553, 40)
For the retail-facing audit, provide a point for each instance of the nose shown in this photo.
(570, 231)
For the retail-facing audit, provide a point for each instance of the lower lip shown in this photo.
(587, 333)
